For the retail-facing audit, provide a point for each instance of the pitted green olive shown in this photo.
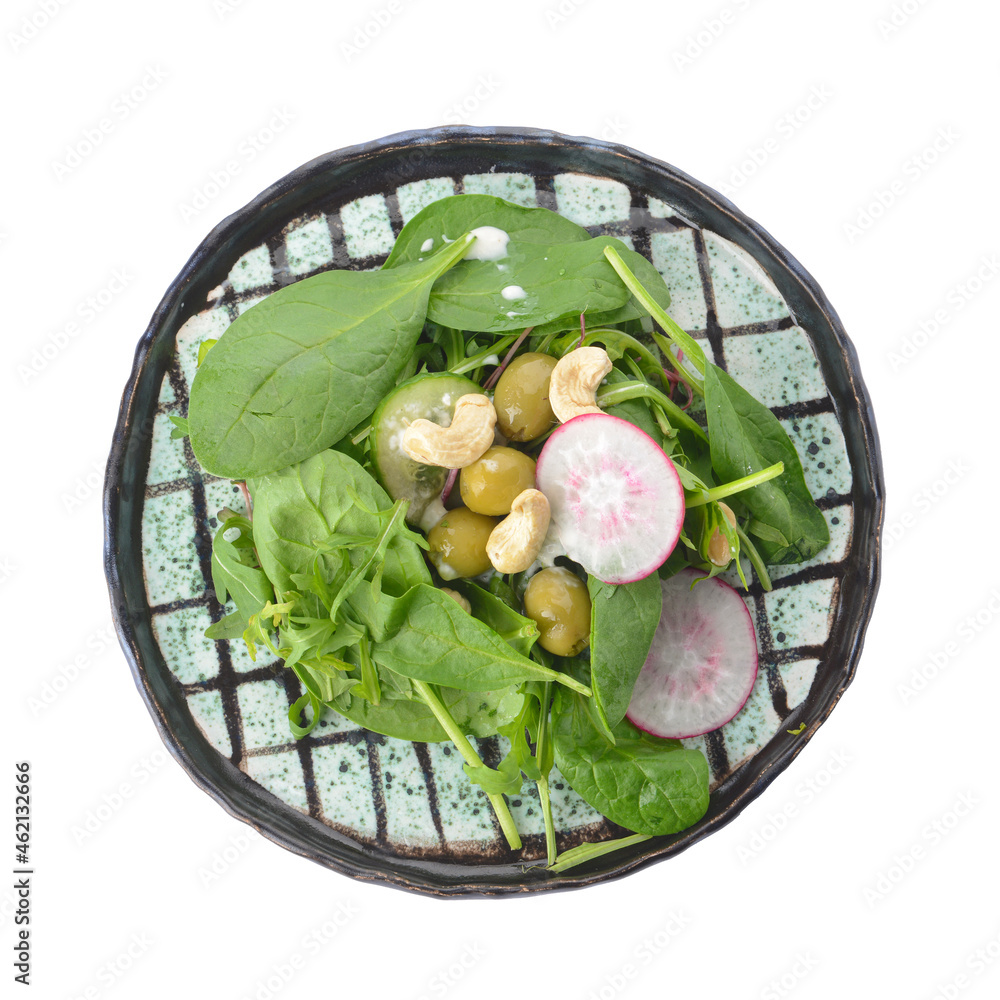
(492, 483)
(458, 543)
(556, 600)
(522, 397)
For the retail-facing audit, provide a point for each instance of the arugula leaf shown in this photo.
(504, 780)
(297, 371)
(232, 576)
(180, 429)
(446, 219)
(746, 437)
(443, 644)
(644, 784)
(623, 621)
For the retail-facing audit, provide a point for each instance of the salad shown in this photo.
(490, 490)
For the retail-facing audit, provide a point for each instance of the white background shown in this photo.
(869, 867)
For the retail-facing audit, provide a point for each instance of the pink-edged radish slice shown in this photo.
(702, 665)
(617, 502)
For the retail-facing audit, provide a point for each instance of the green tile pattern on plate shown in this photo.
(252, 270)
(169, 556)
(466, 814)
(167, 462)
(309, 246)
(418, 195)
(206, 709)
(797, 678)
(779, 368)
(518, 188)
(675, 257)
(743, 291)
(281, 775)
(344, 785)
(180, 635)
(407, 802)
(820, 443)
(367, 227)
(589, 201)
(264, 708)
(800, 616)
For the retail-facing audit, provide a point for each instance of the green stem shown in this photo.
(542, 752)
(483, 357)
(465, 748)
(736, 486)
(681, 338)
(620, 392)
(755, 560)
(550, 827)
(586, 852)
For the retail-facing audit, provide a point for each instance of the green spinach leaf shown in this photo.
(746, 437)
(623, 621)
(642, 783)
(297, 371)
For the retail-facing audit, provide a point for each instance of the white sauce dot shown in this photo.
(513, 292)
(427, 244)
(490, 244)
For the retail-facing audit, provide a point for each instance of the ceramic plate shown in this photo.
(403, 813)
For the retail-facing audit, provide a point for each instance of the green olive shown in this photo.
(492, 483)
(556, 600)
(458, 543)
(522, 397)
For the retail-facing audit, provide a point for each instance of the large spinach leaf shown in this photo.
(623, 621)
(294, 373)
(644, 784)
(746, 437)
(517, 631)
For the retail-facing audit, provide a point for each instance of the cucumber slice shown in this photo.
(432, 396)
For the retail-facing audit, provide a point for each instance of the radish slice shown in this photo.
(617, 502)
(702, 665)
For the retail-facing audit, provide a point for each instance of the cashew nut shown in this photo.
(574, 382)
(460, 599)
(454, 447)
(719, 552)
(515, 542)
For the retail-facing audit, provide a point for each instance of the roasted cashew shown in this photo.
(719, 553)
(514, 543)
(460, 599)
(574, 382)
(467, 438)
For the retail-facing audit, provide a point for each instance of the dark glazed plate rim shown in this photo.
(534, 148)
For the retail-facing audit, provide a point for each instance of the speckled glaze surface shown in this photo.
(382, 808)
